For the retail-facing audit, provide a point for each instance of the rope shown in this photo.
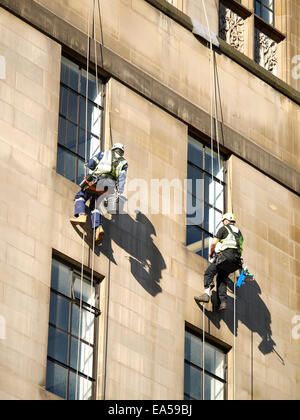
(80, 316)
(85, 169)
(203, 353)
(234, 338)
(86, 94)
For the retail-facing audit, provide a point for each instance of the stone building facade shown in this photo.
(160, 79)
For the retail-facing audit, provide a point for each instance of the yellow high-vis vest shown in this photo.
(231, 240)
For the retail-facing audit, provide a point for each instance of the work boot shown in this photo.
(99, 235)
(202, 299)
(79, 220)
(222, 306)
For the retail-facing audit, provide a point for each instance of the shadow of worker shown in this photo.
(135, 237)
(250, 310)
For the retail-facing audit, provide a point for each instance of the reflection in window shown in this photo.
(214, 372)
(71, 334)
(207, 170)
(265, 9)
(79, 131)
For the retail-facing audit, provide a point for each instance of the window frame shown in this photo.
(80, 96)
(94, 310)
(215, 179)
(272, 10)
(222, 347)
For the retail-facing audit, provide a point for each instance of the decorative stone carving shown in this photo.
(232, 27)
(266, 51)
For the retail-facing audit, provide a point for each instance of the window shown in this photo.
(205, 166)
(212, 374)
(265, 9)
(71, 338)
(234, 25)
(77, 135)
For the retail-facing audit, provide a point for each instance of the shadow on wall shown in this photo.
(250, 310)
(135, 236)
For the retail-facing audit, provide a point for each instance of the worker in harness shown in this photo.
(109, 171)
(229, 240)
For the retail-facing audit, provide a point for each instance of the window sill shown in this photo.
(268, 29)
(238, 8)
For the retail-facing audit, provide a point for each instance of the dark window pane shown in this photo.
(56, 379)
(82, 139)
(61, 278)
(206, 239)
(69, 73)
(195, 181)
(58, 345)
(68, 104)
(209, 190)
(214, 361)
(80, 171)
(192, 381)
(195, 152)
(268, 3)
(84, 387)
(59, 311)
(194, 239)
(257, 7)
(193, 349)
(66, 164)
(267, 15)
(67, 134)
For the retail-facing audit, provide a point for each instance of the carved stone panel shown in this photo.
(232, 28)
(266, 51)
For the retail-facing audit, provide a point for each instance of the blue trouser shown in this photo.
(80, 200)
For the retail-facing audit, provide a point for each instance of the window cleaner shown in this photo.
(109, 172)
(226, 261)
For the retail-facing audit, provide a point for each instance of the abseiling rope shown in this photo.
(213, 98)
(85, 169)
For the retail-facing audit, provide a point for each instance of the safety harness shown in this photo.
(109, 166)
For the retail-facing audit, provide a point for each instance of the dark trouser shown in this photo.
(222, 271)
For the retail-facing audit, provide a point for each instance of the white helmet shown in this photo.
(118, 146)
(229, 216)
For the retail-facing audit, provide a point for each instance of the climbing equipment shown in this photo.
(233, 240)
(244, 275)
